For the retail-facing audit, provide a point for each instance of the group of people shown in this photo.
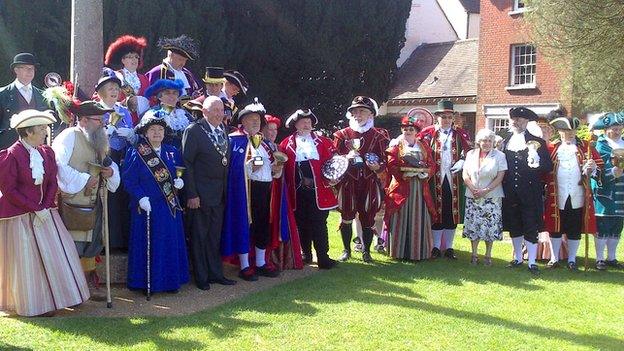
(185, 177)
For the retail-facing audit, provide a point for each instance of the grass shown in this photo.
(388, 306)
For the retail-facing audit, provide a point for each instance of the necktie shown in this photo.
(26, 93)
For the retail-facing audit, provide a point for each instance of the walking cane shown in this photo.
(109, 301)
(149, 278)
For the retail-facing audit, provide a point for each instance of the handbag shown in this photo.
(77, 217)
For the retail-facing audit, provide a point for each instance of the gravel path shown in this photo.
(128, 303)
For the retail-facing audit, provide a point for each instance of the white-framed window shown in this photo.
(497, 124)
(518, 5)
(523, 66)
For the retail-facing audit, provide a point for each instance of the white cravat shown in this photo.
(132, 78)
(26, 92)
(306, 150)
(517, 142)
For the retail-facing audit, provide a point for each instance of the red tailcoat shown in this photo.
(356, 180)
(399, 188)
(19, 194)
(460, 145)
(325, 198)
(551, 212)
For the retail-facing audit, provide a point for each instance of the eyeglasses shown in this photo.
(131, 56)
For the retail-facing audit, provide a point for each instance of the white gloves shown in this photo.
(110, 130)
(127, 133)
(144, 204)
(41, 216)
(178, 183)
(533, 158)
(458, 166)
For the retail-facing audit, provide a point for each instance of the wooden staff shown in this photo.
(148, 277)
(588, 157)
(104, 190)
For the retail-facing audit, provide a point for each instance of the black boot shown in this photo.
(345, 232)
(367, 240)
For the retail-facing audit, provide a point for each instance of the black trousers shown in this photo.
(522, 212)
(260, 212)
(206, 243)
(446, 220)
(118, 211)
(311, 224)
(570, 222)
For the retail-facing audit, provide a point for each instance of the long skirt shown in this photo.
(410, 228)
(39, 267)
(169, 268)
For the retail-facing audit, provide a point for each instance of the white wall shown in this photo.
(457, 15)
(426, 24)
(473, 25)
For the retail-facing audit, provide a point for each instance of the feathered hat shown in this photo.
(255, 107)
(163, 84)
(182, 45)
(150, 120)
(273, 119)
(122, 46)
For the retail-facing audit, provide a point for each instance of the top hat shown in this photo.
(444, 106)
(214, 75)
(24, 58)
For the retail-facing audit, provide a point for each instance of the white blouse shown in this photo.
(484, 173)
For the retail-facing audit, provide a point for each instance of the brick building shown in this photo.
(511, 70)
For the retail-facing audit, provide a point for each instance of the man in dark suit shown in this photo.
(19, 96)
(523, 204)
(206, 155)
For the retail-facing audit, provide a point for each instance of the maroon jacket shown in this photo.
(19, 194)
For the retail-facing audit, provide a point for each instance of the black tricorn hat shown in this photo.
(522, 112)
(182, 45)
(24, 58)
(366, 102)
(566, 123)
(255, 107)
(214, 75)
(150, 120)
(236, 78)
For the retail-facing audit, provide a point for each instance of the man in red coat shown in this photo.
(569, 208)
(308, 191)
(361, 191)
(449, 145)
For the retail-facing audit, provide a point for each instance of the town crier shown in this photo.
(449, 145)
(83, 165)
(569, 209)
(360, 191)
(308, 191)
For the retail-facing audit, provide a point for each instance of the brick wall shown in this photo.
(498, 32)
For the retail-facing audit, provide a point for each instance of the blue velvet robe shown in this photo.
(169, 260)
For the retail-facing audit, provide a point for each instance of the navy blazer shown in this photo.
(519, 175)
(9, 106)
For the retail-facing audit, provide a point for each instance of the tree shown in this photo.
(585, 38)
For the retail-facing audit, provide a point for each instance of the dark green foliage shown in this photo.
(295, 53)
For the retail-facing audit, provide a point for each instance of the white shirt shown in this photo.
(70, 180)
(25, 90)
(481, 175)
(306, 149)
(179, 74)
(264, 173)
(569, 177)
(517, 142)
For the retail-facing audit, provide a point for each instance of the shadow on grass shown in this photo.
(383, 283)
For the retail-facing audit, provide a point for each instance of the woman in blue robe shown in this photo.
(148, 176)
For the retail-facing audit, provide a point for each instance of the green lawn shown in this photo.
(386, 306)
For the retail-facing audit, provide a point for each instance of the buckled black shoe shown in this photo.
(450, 254)
(307, 259)
(514, 264)
(601, 265)
(327, 264)
(533, 269)
(346, 254)
(552, 264)
(435, 253)
(248, 274)
(267, 271)
(366, 257)
(572, 266)
(222, 281)
(614, 264)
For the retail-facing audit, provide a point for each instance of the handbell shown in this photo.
(114, 118)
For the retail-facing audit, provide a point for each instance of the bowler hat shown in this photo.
(24, 58)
